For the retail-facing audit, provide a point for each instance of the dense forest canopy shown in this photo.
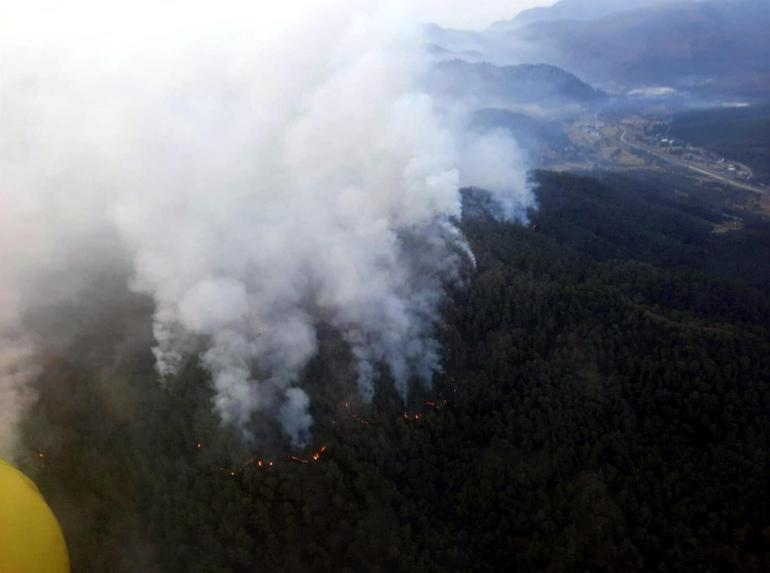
(604, 406)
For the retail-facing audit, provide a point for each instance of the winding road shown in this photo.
(684, 164)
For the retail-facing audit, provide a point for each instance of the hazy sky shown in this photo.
(44, 19)
(474, 13)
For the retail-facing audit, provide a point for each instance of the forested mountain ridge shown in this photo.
(574, 10)
(536, 84)
(605, 406)
(708, 45)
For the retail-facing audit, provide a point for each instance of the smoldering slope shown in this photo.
(267, 168)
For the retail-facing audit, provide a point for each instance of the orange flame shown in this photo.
(317, 455)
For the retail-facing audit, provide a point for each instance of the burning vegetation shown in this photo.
(316, 456)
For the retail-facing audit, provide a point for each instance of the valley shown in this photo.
(642, 141)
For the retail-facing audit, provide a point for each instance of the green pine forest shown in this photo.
(604, 406)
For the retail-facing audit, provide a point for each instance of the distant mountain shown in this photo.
(713, 45)
(438, 38)
(439, 53)
(537, 135)
(574, 10)
(488, 85)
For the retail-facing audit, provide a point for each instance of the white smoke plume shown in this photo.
(21, 243)
(268, 168)
(17, 369)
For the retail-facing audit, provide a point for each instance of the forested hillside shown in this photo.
(605, 406)
(741, 134)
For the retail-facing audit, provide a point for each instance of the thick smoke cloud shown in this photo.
(17, 369)
(267, 171)
(16, 351)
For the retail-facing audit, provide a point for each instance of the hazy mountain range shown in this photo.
(575, 10)
(713, 46)
(486, 84)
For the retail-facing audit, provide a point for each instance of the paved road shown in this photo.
(680, 163)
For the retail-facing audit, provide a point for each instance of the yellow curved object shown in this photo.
(31, 540)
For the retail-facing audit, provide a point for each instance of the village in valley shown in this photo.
(643, 141)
